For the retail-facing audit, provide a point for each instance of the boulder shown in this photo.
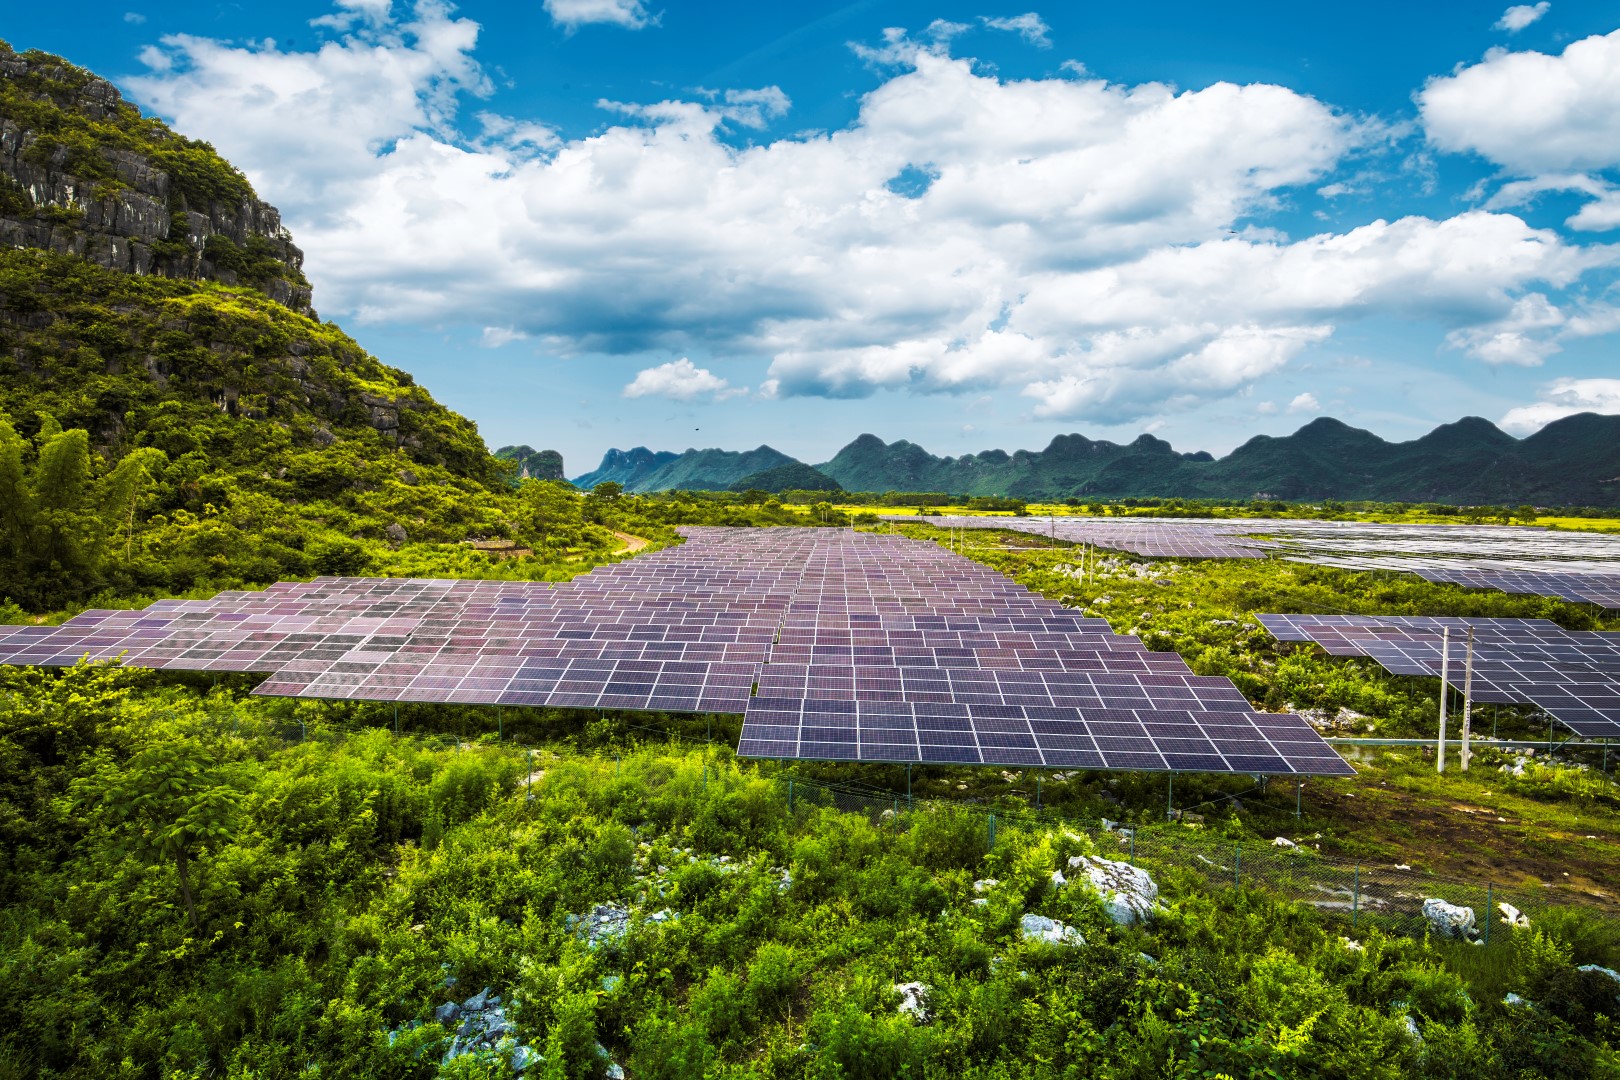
(396, 533)
(1283, 842)
(447, 1013)
(1128, 893)
(1041, 928)
(1449, 920)
(1610, 972)
(604, 924)
(914, 1000)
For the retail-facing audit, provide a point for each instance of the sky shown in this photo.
(607, 223)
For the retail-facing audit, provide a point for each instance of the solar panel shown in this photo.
(1573, 675)
(834, 645)
(1581, 567)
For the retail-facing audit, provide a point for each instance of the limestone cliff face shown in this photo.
(83, 173)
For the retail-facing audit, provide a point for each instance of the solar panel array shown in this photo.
(862, 647)
(1581, 567)
(1573, 675)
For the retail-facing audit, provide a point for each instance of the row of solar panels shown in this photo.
(1579, 567)
(1573, 675)
(860, 646)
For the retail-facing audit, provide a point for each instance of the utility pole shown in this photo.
(1468, 695)
(1445, 657)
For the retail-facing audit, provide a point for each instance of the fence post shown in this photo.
(1237, 866)
(1133, 847)
(991, 843)
(790, 795)
(1490, 907)
(895, 820)
(396, 718)
(1299, 798)
(1355, 899)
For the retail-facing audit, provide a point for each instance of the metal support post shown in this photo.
(1468, 700)
(1490, 908)
(1445, 661)
(790, 794)
(990, 841)
(908, 783)
(528, 759)
(615, 766)
(1170, 796)
(1299, 798)
(1237, 866)
(396, 718)
(1355, 899)
(500, 723)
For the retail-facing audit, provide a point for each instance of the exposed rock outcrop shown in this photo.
(83, 173)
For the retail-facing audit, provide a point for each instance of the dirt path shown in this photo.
(631, 543)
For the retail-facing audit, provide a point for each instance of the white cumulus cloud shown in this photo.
(1564, 397)
(1304, 403)
(572, 14)
(1081, 242)
(1029, 26)
(1530, 112)
(1519, 16)
(680, 379)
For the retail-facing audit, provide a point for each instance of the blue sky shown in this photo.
(595, 223)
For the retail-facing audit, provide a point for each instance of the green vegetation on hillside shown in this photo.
(794, 476)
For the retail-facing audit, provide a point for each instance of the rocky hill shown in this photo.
(533, 464)
(626, 467)
(793, 476)
(157, 339)
(641, 470)
(83, 173)
(1573, 461)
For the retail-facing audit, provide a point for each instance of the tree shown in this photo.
(608, 490)
(171, 803)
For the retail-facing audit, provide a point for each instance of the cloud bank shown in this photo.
(1083, 243)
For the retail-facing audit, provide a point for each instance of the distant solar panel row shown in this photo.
(1578, 567)
(862, 647)
(1573, 675)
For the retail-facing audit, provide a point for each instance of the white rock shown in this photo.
(1610, 972)
(1412, 1031)
(1402, 866)
(1352, 945)
(914, 1000)
(1449, 920)
(1514, 999)
(984, 885)
(1058, 880)
(1283, 842)
(1512, 916)
(1040, 928)
(1128, 893)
